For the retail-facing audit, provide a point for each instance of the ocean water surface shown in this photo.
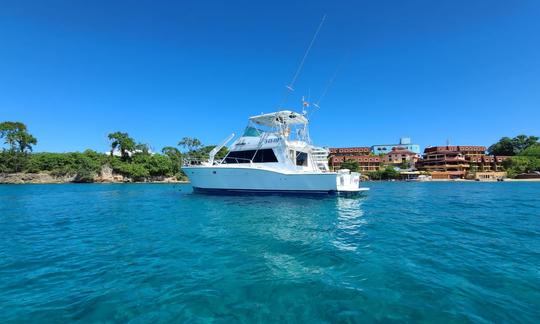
(431, 252)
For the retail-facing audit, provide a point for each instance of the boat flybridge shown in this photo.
(273, 155)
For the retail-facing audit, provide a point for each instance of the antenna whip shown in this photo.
(297, 73)
(290, 86)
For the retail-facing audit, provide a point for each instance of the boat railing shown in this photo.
(188, 161)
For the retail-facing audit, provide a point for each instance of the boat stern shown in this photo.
(349, 182)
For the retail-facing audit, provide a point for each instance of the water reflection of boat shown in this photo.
(350, 220)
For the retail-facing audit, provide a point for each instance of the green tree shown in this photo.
(204, 152)
(512, 146)
(171, 151)
(351, 165)
(175, 156)
(123, 142)
(532, 151)
(16, 136)
(19, 141)
(375, 175)
(156, 165)
(521, 164)
(503, 147)
(142, 148)
(86, 169)
(389, 173)
(405, 165)
(522, 142)
(384, 174)
(190, 144)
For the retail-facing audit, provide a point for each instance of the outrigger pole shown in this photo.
(290, 86)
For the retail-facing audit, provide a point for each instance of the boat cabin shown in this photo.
(278, 139)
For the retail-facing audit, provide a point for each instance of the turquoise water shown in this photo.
(433, 252)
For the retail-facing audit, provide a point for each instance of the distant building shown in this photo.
(360, 154)
(346, 151)
(458, 162)
(399, 156)
(366, 163)
(117, 152)
(404, 143)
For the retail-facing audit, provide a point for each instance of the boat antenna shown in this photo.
(328, 85)
(290, 86)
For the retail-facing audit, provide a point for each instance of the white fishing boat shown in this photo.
(273, 155)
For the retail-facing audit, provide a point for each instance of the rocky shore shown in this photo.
(106, 175)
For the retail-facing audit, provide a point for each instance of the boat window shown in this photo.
(262, 156)
(301, 158)
(251, 131)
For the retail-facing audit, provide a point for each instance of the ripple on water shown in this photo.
(434, 252)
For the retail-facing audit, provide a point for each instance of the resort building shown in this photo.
(487, 163)
(349, 151)
(439, 162)
(366, 163)
(404, 143)
(360, 154)
(400, 156)
(397, 156)
(458, 162)
(486, 176)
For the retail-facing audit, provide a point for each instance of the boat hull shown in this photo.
(234, 180)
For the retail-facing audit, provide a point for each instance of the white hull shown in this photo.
(274, 154)
(238, 179)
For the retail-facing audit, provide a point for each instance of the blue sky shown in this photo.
(74, 71)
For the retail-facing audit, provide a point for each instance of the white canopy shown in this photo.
(280, 117)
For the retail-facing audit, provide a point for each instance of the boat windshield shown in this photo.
(252, 132)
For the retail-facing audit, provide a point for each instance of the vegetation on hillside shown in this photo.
(387, 173)
(507, 146)
(19, 143)
(135, 160)
(524, 152)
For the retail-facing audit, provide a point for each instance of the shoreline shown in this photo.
(113, 178)
(187, 182)
(102, 177)
(91, 183)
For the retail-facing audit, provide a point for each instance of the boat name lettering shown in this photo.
(272, 140)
